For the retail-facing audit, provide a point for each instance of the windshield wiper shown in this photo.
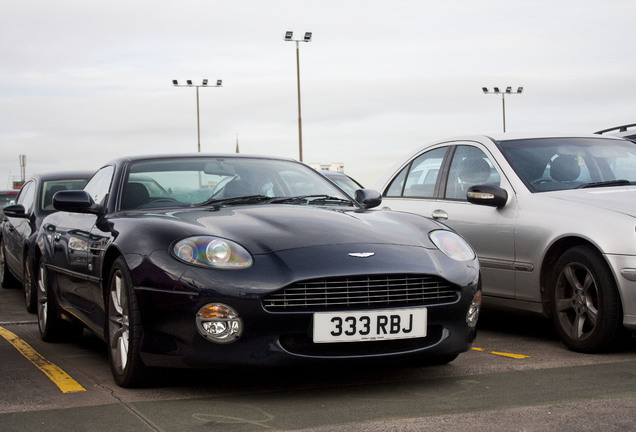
(323, 199)
(621, 182)
(247, 199)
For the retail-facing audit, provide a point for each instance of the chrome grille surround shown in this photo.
(362, 292)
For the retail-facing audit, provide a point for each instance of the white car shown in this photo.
(552, 219)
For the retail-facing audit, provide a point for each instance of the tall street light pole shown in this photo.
(503, 98)
(307, 38)
(204, 83)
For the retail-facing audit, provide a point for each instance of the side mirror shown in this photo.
(369, 198)
(75, 201)
(487, 195)
(15, 210)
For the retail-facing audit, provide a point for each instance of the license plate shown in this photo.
(360, 326)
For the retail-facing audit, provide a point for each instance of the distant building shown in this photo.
(334, 166)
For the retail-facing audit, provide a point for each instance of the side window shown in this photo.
(50, 188)
(99, 185)
(419, 178)
(395, 188)
(422, 177)
(470, 166)
(27, 196)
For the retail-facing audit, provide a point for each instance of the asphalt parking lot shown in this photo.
(517, 377)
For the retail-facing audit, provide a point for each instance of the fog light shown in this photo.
(219, 323)
(473, 310)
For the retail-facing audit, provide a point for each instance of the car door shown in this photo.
(78, 285)
(489, 230)
(19, 228)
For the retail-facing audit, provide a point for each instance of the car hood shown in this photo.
(270, 228)
(617, 199)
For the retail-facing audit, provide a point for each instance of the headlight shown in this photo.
(452, 245)
(214, 252)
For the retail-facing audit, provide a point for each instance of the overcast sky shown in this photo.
(83, 82)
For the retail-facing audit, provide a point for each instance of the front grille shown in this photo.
(360, 292)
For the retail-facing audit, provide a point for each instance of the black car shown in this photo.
(198, 261)
(343, 181)
(20, 224)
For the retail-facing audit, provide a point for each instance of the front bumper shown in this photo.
(269, 338)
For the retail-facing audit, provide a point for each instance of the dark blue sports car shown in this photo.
(195, 261)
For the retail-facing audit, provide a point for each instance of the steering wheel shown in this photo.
(542, 180)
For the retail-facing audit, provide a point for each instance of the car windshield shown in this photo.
(51, 187)
(225, 181)
(345, 182)
(7, 198)
(549, 164)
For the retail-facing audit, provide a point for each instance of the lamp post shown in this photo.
(503, 98)
(307, 38)
(204, 83)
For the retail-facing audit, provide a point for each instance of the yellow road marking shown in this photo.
(60, 378)
(503, 354)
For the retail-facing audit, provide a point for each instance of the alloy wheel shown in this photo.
(29, 294)
(119, 330)
(577, 301)
(3, 263)
(42, 298)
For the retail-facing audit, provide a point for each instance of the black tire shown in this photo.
(584, 301)
(124, 329)
(30, 286)
(7, 280)
(52, 327)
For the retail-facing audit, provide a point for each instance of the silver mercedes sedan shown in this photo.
(552, 218)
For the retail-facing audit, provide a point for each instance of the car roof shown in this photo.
(63, 175)
(135, 158)
(518, 136)
(333, 173)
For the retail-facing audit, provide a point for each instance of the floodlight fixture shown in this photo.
(204, 83)
(503, 99)
(289, 37)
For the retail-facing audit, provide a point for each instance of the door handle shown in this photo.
(440, 214)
